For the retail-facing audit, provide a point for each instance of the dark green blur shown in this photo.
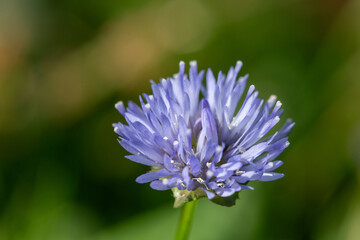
(64, 64)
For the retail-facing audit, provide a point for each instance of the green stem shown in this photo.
(185, 221)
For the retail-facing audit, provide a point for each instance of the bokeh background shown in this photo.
(64, 64)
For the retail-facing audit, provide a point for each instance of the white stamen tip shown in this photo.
(118, 104)
(278, 103)
(287, 143)
(193, 63)
(147, 106)
(199, 180)
(151, 97)
(218, 149)
(209, 174)
(181, 182)
(272, 98)
(238, 172)
(116, 129)
(120, 107)
(244, 78)
(208, 164)
(165, 181)
(165, 138)
(241, 149)
(176, 143)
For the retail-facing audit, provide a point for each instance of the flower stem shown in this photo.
(185, 221)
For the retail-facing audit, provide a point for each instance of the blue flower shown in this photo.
(203, 139)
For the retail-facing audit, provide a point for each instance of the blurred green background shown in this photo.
(64, 64)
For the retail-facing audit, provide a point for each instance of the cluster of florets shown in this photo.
(212, 143)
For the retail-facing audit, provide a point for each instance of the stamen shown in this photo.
(241, 149)
(199, 180)
(181, 182)
(238, 172)
(165, 181)
(272, 99)
(193, 63)
(175, 163)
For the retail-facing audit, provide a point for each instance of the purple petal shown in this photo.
(170, 164)
(160, 185)
(225, 192)
(271, 166)
(271, 176)
(143, 160)
(255, 151)
(195, 166)
(209, 194)
(151, 176)
(208, 123)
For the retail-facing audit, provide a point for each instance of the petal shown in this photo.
(151, 176)
(271, 166)
(145, 148)
(209, 194)
(232, 166)
(210, 86)
(208, 122)
(255, 151)
(183, 136)
(225, 192)
(170, 164)
(186, 175)
(120, 107)
(195, 166)
(143, 160)
(271, 176)
(236, 95)
(160, 185)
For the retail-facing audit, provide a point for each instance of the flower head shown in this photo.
(202, 140)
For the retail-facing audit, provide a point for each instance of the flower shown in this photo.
(197, 141)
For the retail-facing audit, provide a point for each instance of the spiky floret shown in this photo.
(213, 144)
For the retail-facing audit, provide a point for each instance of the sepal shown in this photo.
(226, 201)
(184, 196)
